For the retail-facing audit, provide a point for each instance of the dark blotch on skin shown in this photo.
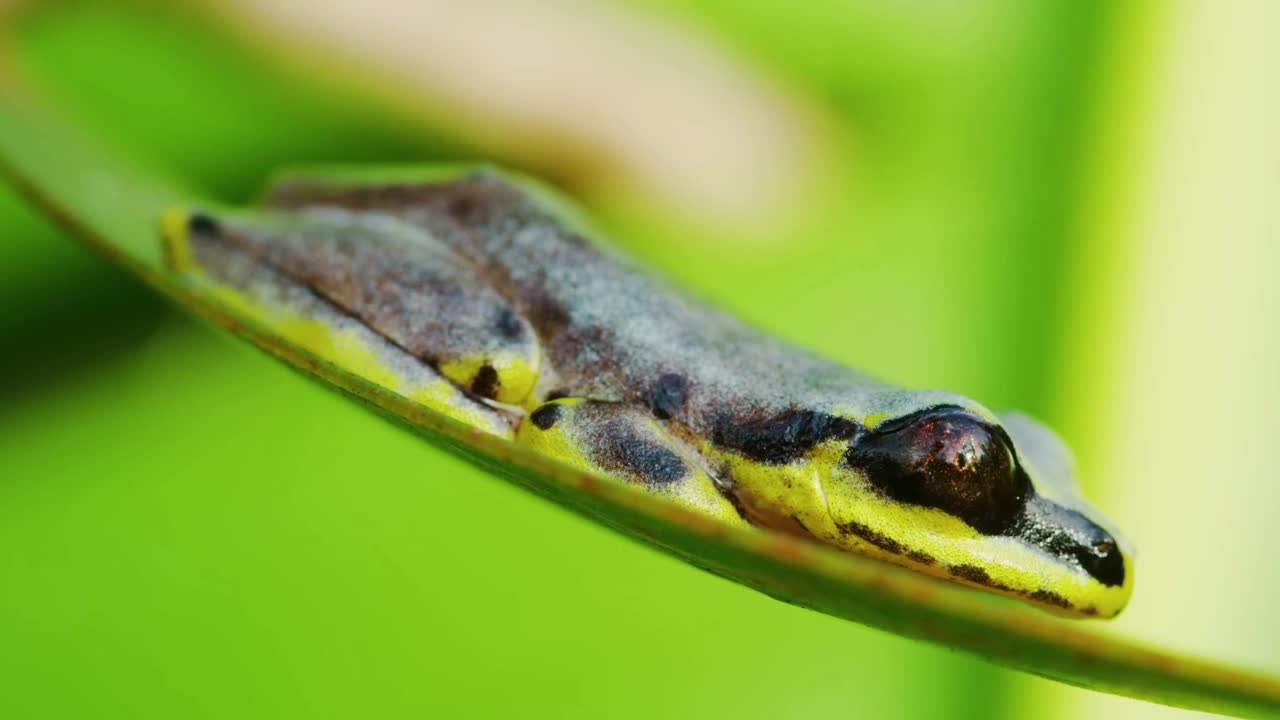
(667, 396)
(973, 574)
(547, 415)
(880, 540)
(546, 315)
(923, 558)
(781, 438)
(509, 325)
(464, 207)
(485, 383)
(1051, 598)
(557, 394)
(623, 451)
(203, 225)
(949, 459)
(623, 442)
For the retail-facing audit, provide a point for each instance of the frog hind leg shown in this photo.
(297, 312)
(627, 444)
(400, 281)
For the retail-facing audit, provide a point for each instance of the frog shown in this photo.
(488, 297)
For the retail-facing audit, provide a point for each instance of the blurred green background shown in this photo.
(1067, 208)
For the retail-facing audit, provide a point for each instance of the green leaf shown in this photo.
(113, 206)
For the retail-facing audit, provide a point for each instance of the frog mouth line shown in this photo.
(966, 573)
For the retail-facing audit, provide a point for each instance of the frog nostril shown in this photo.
(1104, 561)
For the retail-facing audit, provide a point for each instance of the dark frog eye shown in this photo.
(945, 458)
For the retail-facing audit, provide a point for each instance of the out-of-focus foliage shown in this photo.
(180, 548)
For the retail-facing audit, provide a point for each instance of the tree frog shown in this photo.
(481, 296)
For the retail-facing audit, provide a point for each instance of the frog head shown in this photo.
(943, 485)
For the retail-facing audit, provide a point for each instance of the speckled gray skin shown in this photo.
(478, 263)
(609, 331)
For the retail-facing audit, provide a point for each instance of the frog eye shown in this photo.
(945, 458)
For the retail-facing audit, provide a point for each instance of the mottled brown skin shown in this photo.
(423, 296)
(215, 250)
(609, 332)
